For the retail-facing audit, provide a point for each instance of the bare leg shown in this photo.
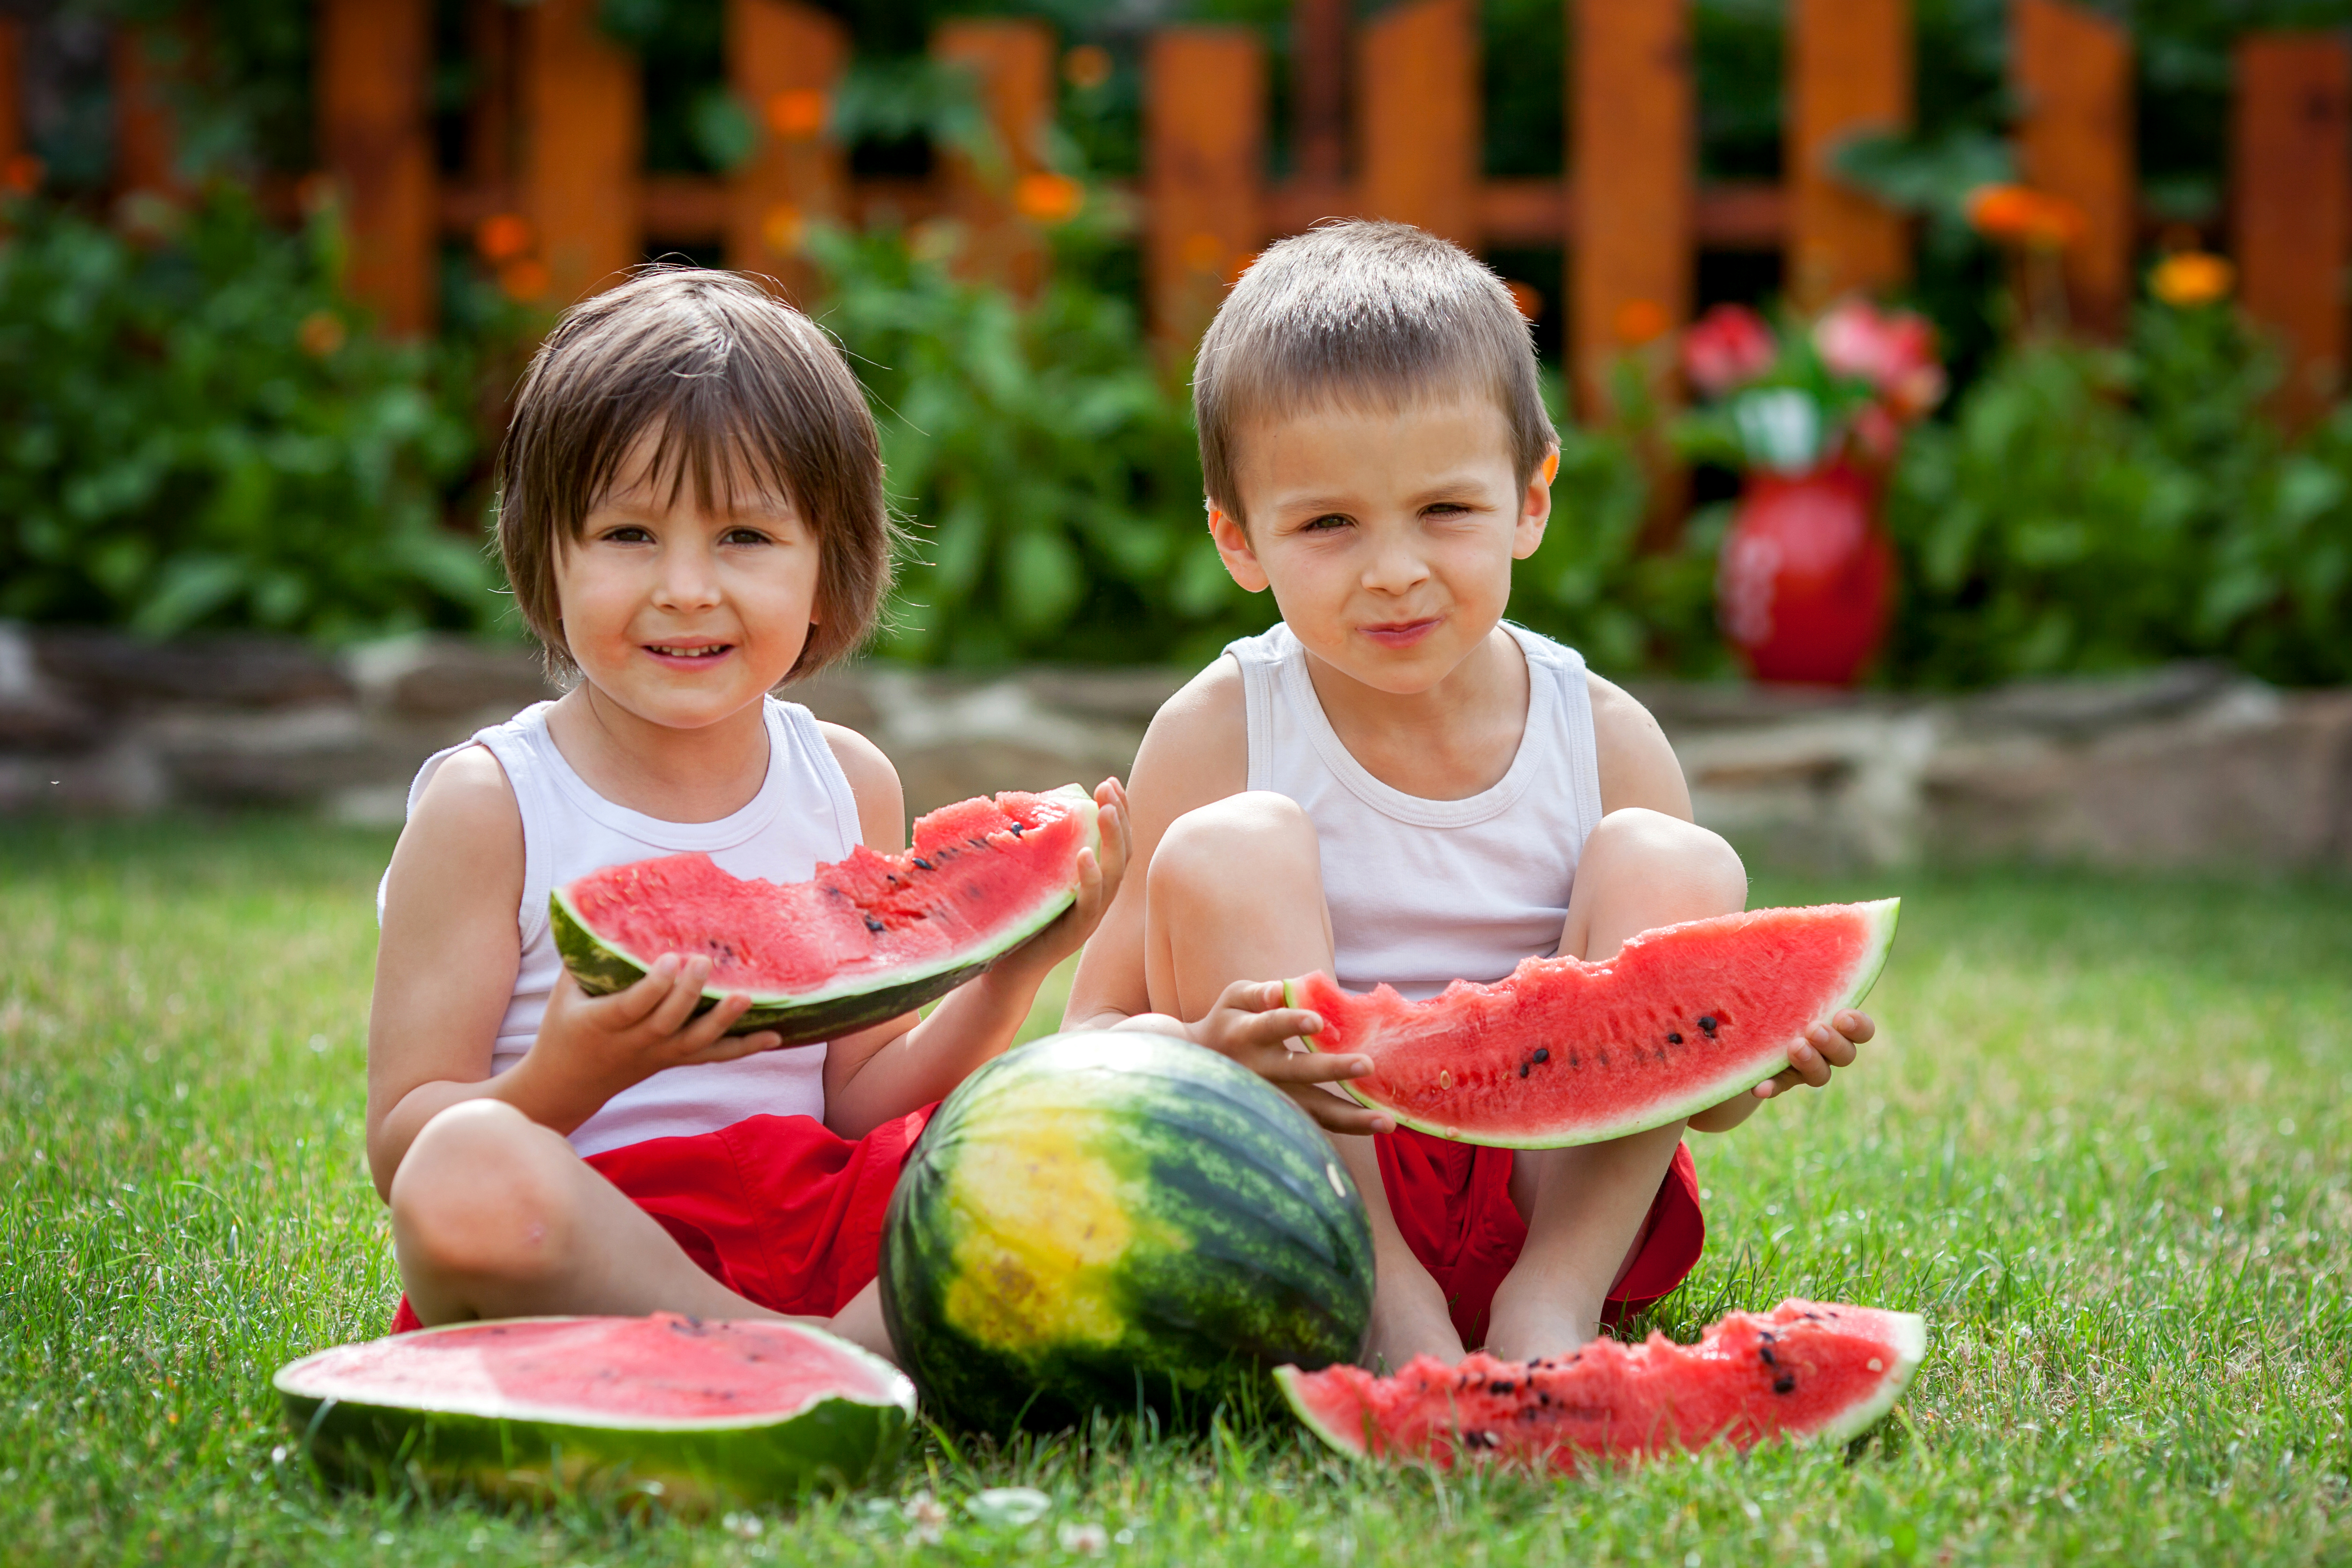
(493, 1216)
(1235, 892)
(1585, 1206)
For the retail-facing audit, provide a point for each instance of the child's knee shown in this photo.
(480, 1194)
(1667, 852)
(1269, 834)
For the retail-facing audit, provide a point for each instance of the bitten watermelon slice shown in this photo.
(1804, 1370)
(866, 939)
(1562, 1051)
(690, 1411)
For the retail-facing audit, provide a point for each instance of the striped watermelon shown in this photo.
(1563, 1052)
(861, 942)
(1113, 1220)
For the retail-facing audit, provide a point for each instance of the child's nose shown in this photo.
(689, 579)
(1395, 567)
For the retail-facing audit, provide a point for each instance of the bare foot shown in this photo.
(1530, 1325)
(1409, 1318)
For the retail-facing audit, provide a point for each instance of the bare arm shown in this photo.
(896, 1067)
(1196, 751)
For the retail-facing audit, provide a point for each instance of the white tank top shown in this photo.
(1426, 892)
(803, 814)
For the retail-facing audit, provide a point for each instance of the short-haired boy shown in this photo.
(1394, 785)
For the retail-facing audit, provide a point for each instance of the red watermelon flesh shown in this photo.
(1803, 1370)
(1564, 1052)
(865, 938)
(631, 1370)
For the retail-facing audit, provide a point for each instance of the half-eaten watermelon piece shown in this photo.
(1805, 1370)
(668, 1406)
(1563, 1052)
(866, 939)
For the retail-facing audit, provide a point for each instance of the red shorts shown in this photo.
(779, 1209)
(1452, 1202)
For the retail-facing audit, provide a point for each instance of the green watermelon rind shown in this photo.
(1300, 1234)
(1909, 1345)
(603, 967)
(1881, 915)
(831, 1442)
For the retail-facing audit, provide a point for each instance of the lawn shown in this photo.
(2103, 1146)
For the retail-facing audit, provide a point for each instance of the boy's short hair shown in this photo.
(1363, 314)
(739, 387)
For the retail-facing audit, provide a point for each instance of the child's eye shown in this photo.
(1446, 509)
(628, 534)
(1325, 524)
(743, 537)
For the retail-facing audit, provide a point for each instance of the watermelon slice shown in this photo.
(1561, 1051)
(669, 1406)
(868, 938)
(1804, 1370)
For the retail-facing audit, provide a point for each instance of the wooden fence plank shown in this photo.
(1633, 150)
(12, 103)
(1318, 91)
(375, 62)
(1417, 117)
(1013, 60)
(1849, 76)
(2290, 218)
(786, 60)
(1204, 157)
(489, 117)
(2073, 72)
(142, 60)
(582, 107)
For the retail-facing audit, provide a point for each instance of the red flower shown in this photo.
(1894, 352)
(1727, 347)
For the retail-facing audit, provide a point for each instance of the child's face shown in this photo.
(1387, 538)
(685, 617)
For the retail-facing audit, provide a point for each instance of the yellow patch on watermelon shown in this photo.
(1047, 1224)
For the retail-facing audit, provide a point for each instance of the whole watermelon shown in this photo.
(1116, 1221)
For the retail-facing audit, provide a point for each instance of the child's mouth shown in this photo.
(686, 654)
(1401, 633)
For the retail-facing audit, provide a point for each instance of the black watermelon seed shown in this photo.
(1673, 1038)
(1785, 1383)
(1572, 1060)
(1016, 830)
(1604, 1058)
(1707, 1024)
(1501, 1385)
(977, 843)
(1543, 1053)
(1766, 1351)
(873, 926)
(922, 863)
(1523, 1070)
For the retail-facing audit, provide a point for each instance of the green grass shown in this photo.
(2104, 1147)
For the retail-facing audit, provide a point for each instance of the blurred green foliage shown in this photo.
(195, 431)
(2089, 508)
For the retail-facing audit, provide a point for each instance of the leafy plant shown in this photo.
(195, 431)
(2095, 508)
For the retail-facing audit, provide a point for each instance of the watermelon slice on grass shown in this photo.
(666, 1406)
(1807, 1370)
(1563, 1052)
(866, 939)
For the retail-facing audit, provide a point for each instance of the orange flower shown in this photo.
(798, 114)
(2191, 277)
(321, 333)
(1527, 297)
(2019, 215)
(524, 280)
(21, 175)
(502, 236)
(780, 228)
(1049, 198)
(1638, 321)
(1088, 66)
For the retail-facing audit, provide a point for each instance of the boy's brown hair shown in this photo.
(738, 388)
(1362, 314)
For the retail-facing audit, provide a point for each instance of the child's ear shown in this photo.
(1535, 507)
(1233, 548)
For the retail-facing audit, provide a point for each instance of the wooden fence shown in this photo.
(552, 171)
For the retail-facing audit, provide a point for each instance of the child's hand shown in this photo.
(594, 1047)
(1824, 1047)
(1250, 1024)
(1098, 878)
